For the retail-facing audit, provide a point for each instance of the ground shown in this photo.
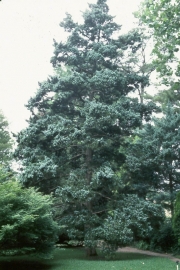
(150, 253)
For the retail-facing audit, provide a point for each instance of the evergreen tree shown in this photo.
(153, 159)
(80, 118)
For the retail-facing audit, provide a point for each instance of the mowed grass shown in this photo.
(75, 259)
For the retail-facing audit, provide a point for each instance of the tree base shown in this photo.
(90, 252)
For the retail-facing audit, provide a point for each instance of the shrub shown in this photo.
(164, 240)
(26, 222)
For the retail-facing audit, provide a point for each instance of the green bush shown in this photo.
(26, 222)
(163, 240)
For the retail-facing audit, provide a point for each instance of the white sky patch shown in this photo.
(27, 30)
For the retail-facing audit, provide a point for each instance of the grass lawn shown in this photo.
(75, 259)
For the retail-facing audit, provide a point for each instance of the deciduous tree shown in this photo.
(162, 17)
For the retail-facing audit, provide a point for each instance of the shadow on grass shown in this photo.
(23, 265)
(65, 255)
(80, 254)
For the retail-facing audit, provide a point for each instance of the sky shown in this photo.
(27, 30)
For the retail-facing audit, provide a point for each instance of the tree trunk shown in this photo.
(89, 171)
(90, 251)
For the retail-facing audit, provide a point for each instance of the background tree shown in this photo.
(79, 121)
(162, 17)
(141, 62)
(153, 159)
(26, 222)
(5, 141)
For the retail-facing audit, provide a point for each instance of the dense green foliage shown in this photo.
(176, 219)
(129, 219)
(5, 141)
(152, 164)
(26, 223)
(86, 114)
(164, 239)
(80, 119)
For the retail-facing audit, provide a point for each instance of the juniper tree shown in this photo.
(79, 120)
